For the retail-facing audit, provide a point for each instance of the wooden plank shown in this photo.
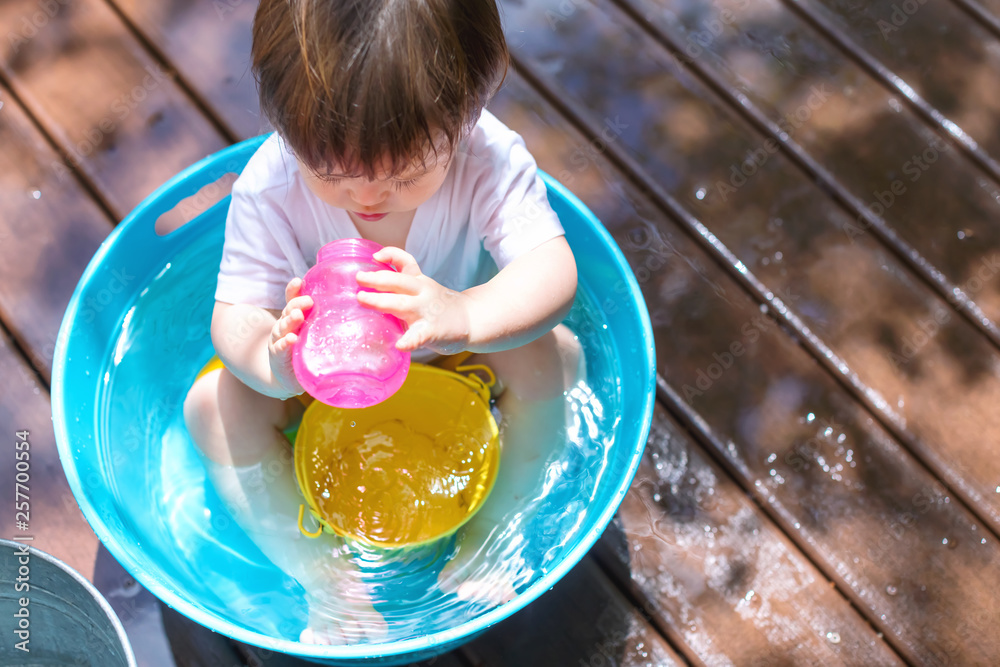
(851, 498)
(898, 344)
(725, 580)
(216, 36)
(54, 520)
(853, 135)
(933, 53)
(110, 107)
(582, 620)
(50, 227)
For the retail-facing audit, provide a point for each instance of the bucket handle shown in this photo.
(482, 388)
(302, 528)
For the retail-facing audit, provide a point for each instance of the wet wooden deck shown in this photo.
(809, 194)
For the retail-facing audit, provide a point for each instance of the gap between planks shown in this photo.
(895, 84)
(91, 188)
(746, 109)
(980, 14)
(216, 120)
(756, 289)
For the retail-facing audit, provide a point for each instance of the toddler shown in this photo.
(381, 133)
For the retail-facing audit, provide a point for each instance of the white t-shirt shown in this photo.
(491, 208)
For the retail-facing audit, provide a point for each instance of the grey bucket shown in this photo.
(68, 621)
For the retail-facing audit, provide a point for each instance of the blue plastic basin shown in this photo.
(117, 397)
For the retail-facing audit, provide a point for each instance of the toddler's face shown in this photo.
(373, 200)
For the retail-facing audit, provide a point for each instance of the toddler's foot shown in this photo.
(367, 629)
(492, 588)
(491, 591)
(343, 616)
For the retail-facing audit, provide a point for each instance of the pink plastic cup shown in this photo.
(346, 354)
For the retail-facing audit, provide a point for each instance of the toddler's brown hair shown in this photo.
(359, 86)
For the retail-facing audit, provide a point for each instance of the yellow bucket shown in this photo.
(410, 470)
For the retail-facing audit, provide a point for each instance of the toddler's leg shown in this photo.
(532, 429)
(250, 464)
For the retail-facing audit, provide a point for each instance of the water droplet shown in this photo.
(765, 261)
(657, 497)
(748, 595)
(778, 256)
(700, 193)
(810, 417)
(770, 459)
(998, 489)
(891, 590)
(35, 194)
(982, 541)
(353, 424)
(833, 637)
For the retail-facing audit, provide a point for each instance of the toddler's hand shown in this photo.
(437, 316)
(284, 334)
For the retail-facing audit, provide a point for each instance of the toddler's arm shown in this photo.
(255, 343)
(522, 302)
(525, 300)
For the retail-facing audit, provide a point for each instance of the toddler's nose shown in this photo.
(370, 194)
